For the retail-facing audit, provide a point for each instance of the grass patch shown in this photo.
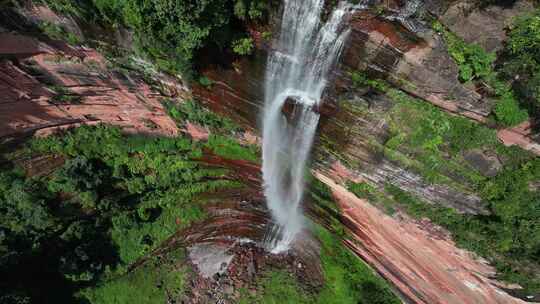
(276, 287)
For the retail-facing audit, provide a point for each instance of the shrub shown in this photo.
(255, 9)
(243, 46)
(205, 81)
(192, 111)
(472, 60)
(508, 112)
(57, 32)
(475, 63)
(523, 58)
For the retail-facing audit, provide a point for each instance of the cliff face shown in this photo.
(47, 84)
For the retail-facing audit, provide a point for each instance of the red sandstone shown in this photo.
(27, 105)
(421, 262)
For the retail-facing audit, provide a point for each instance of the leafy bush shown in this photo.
(476, 64)
(243, 46)
(59, 33)
(523, 58)
(192, 111)
(507, 112)
(255, 9)
(23, 208)
(472, 60)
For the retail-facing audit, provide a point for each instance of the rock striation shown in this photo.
(47, 84)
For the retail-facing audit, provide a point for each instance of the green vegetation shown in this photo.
(156, 281)
(367, 191)
(64, 95)
(254, 9)
(476, 64)
(428, 140)
(431, 142)
(243, 46)
(114, 200)
(192, 111)
(507, 237)
(59, 33)
(277, 287)
(347, 280)
(352, 281)
(224, 146)
(100, 216)
(205, 81)
(172, 33)
(523, 59)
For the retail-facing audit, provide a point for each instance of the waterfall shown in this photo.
(305, 51)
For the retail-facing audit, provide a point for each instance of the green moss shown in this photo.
(352, 281)
(58, 32)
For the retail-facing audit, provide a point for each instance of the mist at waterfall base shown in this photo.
(304, 53)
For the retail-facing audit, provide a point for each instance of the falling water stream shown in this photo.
(304, 53)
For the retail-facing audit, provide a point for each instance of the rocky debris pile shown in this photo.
(249, 263)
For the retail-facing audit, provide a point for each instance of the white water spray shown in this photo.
(305, 51)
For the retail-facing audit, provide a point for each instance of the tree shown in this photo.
(523, 64)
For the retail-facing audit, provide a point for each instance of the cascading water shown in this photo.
(305, 51)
